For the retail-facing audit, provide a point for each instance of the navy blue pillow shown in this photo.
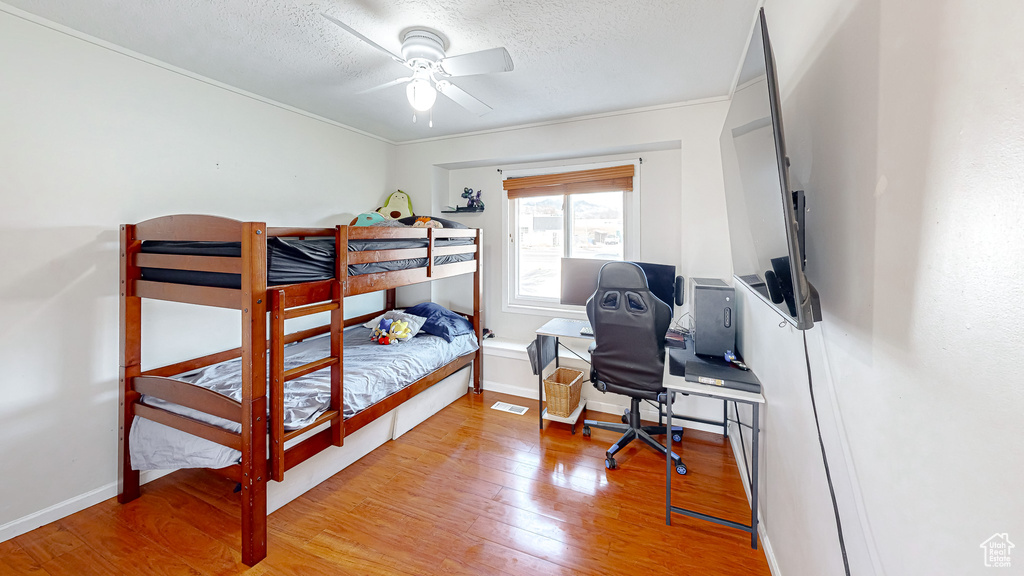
(440, 321)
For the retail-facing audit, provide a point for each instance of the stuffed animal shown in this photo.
(398, 205)
(380, 333)
(367, 219)
(399, 331)
(426, 222)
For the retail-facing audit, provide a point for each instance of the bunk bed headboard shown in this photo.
(250, 299)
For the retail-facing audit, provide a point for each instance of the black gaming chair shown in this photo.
(628, 355)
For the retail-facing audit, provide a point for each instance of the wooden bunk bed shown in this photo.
(260, 410)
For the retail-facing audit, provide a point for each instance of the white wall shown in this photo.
(904, 123)
(91, 138)
(682, 207)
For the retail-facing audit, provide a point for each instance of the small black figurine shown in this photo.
(473, 201)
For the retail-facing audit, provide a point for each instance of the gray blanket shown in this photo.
(372, 372)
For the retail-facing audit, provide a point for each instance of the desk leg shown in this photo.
(753, 480)
(540, 384)
(669, 399)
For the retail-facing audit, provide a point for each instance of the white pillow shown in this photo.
(373, 323)
(415, 322)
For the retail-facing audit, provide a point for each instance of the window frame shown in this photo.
(510, 226)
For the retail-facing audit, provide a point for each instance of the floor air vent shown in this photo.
(506, 407)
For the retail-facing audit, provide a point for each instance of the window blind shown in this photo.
(611, 179)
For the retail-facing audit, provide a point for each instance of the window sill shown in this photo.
(553, 311)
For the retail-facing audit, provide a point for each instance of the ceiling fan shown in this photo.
(423, 53)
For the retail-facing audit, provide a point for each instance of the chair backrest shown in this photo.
(629, 324)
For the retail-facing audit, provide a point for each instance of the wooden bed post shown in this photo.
(478, 321)
(131, 361)
(338, 334)
(254, 392)
(278, 302)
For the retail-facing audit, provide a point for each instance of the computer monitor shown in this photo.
(579, 280)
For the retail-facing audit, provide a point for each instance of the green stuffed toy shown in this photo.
(398, 205)
(367, 219)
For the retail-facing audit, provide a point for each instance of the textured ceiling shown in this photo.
(572, 57)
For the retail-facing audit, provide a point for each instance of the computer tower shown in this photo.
(714, 305)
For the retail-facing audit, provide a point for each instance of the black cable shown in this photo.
(824, 458)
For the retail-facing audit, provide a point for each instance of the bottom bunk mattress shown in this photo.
(372, 373)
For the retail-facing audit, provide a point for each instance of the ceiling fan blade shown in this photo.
(482, 62)
(352, 31)
(385, 85)
(463, 98)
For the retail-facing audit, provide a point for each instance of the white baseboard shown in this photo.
(528, 392)
(17, 527)
(762, 532)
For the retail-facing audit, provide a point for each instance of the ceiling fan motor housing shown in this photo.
(422, 45)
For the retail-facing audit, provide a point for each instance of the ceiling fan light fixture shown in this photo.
(424, 51)
(421, 94)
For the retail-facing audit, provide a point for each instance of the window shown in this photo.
(578, 214)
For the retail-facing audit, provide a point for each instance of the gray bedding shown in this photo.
(291, 260)
(372, 372)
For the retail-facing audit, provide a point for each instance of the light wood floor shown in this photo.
(469, 491)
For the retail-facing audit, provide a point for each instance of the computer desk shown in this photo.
(675, 383)
(557, 328)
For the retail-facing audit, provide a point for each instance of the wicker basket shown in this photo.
(563, 388)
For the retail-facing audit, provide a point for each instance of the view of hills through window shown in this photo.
(575, 226)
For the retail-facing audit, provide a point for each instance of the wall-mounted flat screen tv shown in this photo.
(765, 215)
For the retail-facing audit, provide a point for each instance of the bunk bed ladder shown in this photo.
(279, 312)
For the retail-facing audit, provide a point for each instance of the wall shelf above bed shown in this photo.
(460, 209)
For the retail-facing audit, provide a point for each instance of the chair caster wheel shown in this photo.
(625, 417)
(609, 463)
(677, 437)
(681, 469)
(586, 431)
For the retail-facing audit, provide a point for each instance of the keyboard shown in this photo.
(587, 330)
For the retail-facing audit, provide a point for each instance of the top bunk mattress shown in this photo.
(292, 260)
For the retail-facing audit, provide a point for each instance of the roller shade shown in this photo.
(611, 179)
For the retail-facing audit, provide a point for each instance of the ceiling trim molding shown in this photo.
(29, 17)
(576, 156)
(612, 114)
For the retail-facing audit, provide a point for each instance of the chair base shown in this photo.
(632, 430)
